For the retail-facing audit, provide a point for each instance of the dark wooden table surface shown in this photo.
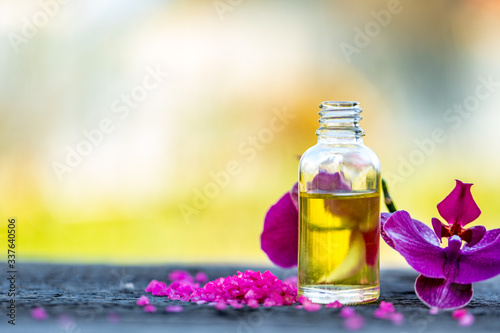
(90, 298)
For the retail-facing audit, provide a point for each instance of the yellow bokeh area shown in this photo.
(162, 131)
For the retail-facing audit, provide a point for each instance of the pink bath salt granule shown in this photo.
(308, 305)
(464, 318)
(253, 303)
(380, 314)
(174, 308)
(221, 305)
(180, 275)
(387, 311)
(156, 288)
(347, 312)
(457, 314)
(201, 277)
(354, 322)
(311, 307)
(143, 300)
(397, 318)
(150, 308)
(386, 306)
(235, 304)
(39, 313)
(334, 305)
(268, 302)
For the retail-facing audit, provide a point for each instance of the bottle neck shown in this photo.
(339, 123)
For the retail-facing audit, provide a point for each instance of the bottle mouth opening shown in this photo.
(339, 104)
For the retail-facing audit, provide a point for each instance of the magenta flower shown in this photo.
(280, 237)
(446, 274)
(459, 209)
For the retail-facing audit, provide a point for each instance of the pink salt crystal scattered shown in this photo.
(386, 311)
(174, 308)
(354, 322)
(397, 318)
(457, 314)
(235, 304)
(380, 314)
(253, 303)
(200, 302)
(308, 305)
(466, 320)
(269, 302)
(386, 306)
(302, 299)
(347, 312)
(180, 275)
(150, 308)
(221, 305)
(298, 306)
(113, 317)
(201, 277)
(311, 307)
(434, 311)
(288, 300)
(39, 313)
(143, 300)
(334, 305)
(156, 288)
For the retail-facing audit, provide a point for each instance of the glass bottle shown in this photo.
(339, 211)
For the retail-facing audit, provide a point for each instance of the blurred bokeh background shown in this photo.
(161, 131)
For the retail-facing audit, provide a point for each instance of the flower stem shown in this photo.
(387, 198)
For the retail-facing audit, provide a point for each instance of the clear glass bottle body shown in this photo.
(339, 211)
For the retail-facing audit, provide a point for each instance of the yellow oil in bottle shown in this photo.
(339, 247)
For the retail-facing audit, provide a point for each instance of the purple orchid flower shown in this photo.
(279, 239)
(446, 274)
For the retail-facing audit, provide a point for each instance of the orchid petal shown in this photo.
(428, 234)
(474, 235)
(279, 240)
(441, 294)
(325, 181)
(415, 244)
(489, 237)
(479, 263)
(383, 218)
(294, 193)
(459, 206)
(437, 226)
